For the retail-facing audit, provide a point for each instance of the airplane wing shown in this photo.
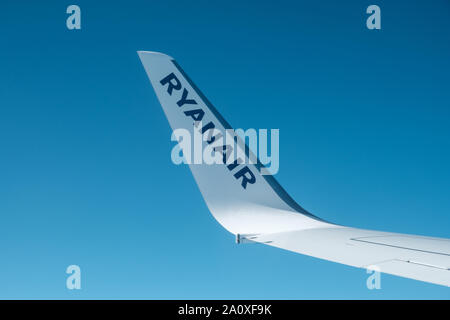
(255, 207)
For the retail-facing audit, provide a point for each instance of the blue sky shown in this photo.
(86, 176)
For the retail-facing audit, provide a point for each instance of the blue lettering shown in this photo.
(168, 80)
(183, 99)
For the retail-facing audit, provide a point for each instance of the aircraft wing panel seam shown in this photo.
(400, 247)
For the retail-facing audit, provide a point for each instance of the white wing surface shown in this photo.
(256, 208)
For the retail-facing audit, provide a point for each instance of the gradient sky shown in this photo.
(86, 176)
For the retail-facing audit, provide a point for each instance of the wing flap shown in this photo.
(416, 271)
(425, 244)
(402, 255)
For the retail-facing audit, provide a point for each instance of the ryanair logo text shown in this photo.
(209, 145)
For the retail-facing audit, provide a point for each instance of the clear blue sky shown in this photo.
(86, 176)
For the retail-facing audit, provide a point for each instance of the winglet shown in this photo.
(241, 199)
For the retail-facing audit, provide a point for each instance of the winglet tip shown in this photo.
(142, 53)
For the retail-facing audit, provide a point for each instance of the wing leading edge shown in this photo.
(263, 211)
